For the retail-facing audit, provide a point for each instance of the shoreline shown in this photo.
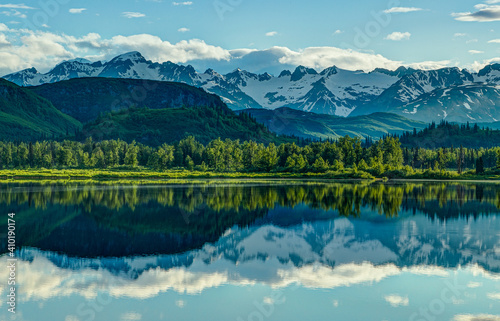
(115, 175)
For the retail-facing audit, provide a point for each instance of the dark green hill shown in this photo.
(86, 98)
(287, 121)
(154, 127)
(25, 115)
(448, 135)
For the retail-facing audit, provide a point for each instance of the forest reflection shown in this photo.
(98, 219)
(349, 199)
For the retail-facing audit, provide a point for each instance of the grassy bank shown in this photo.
(145, 174)
(125, 173)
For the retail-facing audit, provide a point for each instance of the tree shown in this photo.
(460, 159)
(31, 154)
(189, 163)
(7, 155)
(320, 166)
(441, 160)
(97, 158)
(362, 165)
(250, 156)
(479, 166)
(131, 155)
(22, 155)
(269, 158)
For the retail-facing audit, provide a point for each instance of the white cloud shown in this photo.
(43, 50)
(338, 32)
(478, 65)
(268, 300)
(180, 303)
(185, 3)
(158, 50)
(335, 303)
(133, 15)
(183, 29)
(475, 52)
(3, 41)
(477, 317)
(14, 13)
(71, 318)
(427, 270)
(271, 33)
(402, 10)
(493, 296)
(397, 301)
(398, 36)
(323, 57)
(484, 13)
(16, 6)
(474, 285)
(429, 65)
(459, 35)
(77, 10)
(494, 41)
(131, 316)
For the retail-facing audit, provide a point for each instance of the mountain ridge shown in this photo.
(333, 90)
(348, 89)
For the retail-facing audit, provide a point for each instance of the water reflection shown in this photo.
(171, 219)
(325, 247)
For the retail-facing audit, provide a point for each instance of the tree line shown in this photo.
(228, 155)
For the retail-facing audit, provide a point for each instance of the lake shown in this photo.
(277, 250)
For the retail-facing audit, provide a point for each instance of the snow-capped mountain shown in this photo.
(465, 103)
(422, 95)
(333, 91)
(449, 93)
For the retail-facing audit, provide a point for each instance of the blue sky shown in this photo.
(254, 35)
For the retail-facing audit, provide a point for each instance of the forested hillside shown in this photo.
(25, 115)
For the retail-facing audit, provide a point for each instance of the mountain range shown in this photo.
(147, 111)
(426, 95)
(292, 122)
(154, 112)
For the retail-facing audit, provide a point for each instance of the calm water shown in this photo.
(259, 251)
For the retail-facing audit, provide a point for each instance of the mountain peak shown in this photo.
(489, 68)
(132, 56)
(301, 71)
(285, 73)
(265, 76)
(78, 60)
(329, 71)
(31, 70)
(211, 72)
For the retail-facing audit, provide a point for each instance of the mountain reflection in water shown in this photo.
(141, 242)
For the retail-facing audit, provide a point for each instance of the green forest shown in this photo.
(363, 159)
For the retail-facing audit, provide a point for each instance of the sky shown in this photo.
(254, 35)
